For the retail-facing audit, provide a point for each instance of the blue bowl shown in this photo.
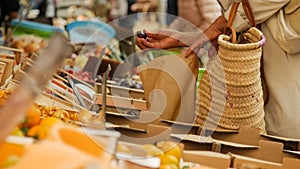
(90, 32)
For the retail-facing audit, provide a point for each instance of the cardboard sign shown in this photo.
(207, 158)
(289, 143)
(8, 69)
(2, 71)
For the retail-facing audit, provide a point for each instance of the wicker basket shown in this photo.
(230, 91)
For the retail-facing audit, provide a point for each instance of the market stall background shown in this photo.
(109, 120)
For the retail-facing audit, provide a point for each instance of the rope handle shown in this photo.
(249, 14)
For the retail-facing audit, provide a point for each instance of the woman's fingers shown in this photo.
(148, 43)
(140, 43)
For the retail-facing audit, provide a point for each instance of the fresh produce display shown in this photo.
(3, 96)
(64, 131)
(98, 79)
(169, 153)
(85, 76)
(41, 130)
(28, 43)
(40, 119)
(128, 82)
(65, 147)
(47, 111)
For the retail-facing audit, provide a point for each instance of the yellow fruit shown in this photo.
(171, 148)
(168, 166)
(41, 131)
(17, 132)
(168, 159)
(33, 117)
(152, 150)
(123, 149)
(50, 121)
(10, 161)
(34, 131)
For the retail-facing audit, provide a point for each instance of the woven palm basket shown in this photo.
(230, 91)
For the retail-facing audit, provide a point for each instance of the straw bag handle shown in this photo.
(247, 8)
(229, 29)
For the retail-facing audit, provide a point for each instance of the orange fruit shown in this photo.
(50, 154)
(168, 159)
(33, 117)
(33, 131)
(50, 121)
(41, 131)
(78, 138)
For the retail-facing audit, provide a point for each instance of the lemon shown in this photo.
(171, 148)
(17, 132)
(152, 150)
(168, 159)
(123, 149)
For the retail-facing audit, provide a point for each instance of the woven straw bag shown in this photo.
(230, 91)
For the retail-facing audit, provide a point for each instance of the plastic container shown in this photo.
(31, 36)
(90, 32)
(33, 28)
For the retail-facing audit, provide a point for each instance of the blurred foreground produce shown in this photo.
(38, 76)
(168, 152)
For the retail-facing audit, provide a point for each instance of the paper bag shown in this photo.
(170, 86)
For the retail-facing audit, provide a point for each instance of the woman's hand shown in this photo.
(163, 39)
(210, 34)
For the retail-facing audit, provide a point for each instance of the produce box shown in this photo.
(121, 91)
(197, 142)
(245, 135)
(208, 158)
(151, 134)
(138, 120)
(289, 143)
(12, 52)
(121, 102)
(246, 162)
(180, 127)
